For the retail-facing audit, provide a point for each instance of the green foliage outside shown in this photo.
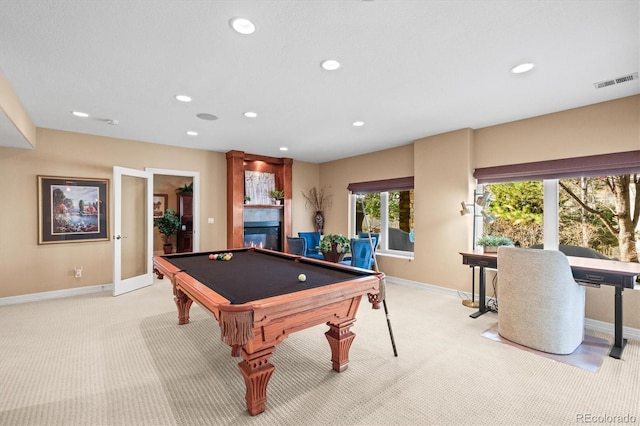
(591, 213)
(582, 228)
(372, 207)
(518, 207)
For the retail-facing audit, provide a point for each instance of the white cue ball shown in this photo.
(302, 278)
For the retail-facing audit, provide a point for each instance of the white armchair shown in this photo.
(540, 304)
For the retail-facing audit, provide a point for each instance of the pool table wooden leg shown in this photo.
(256, 370)
(184, 305)
(340, 338)
(159, 274)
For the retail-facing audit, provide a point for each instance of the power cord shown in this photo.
(492, 303)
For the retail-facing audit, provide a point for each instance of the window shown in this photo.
(385, 208)
(596, 203)
(517, 212)
(601, 213)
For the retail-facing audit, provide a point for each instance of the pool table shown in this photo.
(258, 300)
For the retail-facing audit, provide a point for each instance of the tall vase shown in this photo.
(318, 221)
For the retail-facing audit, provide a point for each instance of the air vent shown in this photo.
(630, 77)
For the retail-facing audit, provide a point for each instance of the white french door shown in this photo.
(133, 230)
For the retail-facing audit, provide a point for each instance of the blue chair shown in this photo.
(296, 245)
(361, 253)
(374, 236)
(313, 244)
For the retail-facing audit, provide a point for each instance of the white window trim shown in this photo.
(551, 219)
(383, 248)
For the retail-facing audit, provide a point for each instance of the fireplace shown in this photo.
(264, 234)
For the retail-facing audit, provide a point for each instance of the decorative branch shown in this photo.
(317, 199)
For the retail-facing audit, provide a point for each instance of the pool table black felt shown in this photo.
(251, 275)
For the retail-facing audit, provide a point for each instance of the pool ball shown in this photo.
(302, 278)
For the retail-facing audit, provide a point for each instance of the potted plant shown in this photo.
(187, 189)
(277, 195)
(168, 225)
(334, 247)
(247, 199)
(490, 243)
(318, 200)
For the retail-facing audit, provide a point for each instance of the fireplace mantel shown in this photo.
(237, 163)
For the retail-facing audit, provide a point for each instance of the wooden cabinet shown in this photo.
(237, 163)
(185, 232)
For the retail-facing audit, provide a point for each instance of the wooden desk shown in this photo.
(586, 271)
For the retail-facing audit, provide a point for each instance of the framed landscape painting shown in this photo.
(72, 209)
(159, 204)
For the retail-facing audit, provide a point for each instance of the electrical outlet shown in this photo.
(210, 220)
(78, 271)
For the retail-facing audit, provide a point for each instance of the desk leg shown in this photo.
(482, 302)
(619, 341)
(256, 370)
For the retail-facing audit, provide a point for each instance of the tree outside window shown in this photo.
(601, 213)
(389, 214)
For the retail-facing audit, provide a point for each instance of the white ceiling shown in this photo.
(410, 68)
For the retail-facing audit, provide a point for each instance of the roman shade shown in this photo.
(397, 184)
(618, 163)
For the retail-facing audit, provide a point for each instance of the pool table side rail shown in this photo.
(311, 306)
(235, 319)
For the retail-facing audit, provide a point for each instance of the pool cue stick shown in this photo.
(375, 266)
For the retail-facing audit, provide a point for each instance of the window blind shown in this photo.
(397, 184)
(618, 163)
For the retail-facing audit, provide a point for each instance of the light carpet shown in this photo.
(102, 360)
(588, 355)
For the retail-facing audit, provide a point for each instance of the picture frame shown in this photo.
(257, 186)
(72, 209)
(160, 202)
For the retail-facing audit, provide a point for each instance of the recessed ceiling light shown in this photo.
(284, 148)
(206, 116)
(251, 114)
(519, 69)
(242, 25)
(183, 98)
(192, 133)
(358, 123)
(80, 114)
(330, 64)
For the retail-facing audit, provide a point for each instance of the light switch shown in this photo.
(210, 220)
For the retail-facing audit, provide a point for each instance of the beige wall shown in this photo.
(336, 175)
(41, 268)
(304, 176)
(596, 129)
(32, 268)
(442, 166)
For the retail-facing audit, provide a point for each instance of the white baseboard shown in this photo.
(590, 324)
(57, 294)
